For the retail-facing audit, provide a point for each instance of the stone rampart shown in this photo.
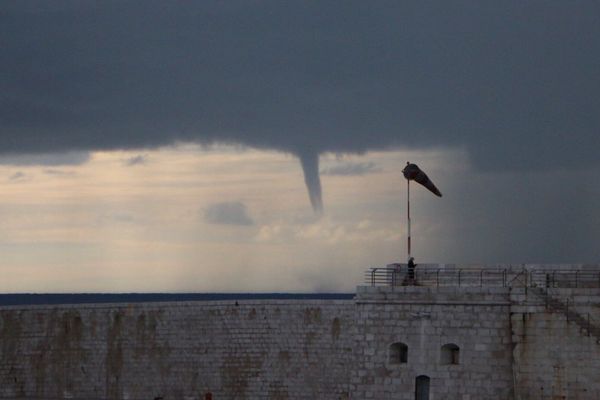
(253, 350)
(505, 333)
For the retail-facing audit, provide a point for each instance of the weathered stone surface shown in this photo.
(555, 358)
(258, 349)
(513, 343)
(425, 319)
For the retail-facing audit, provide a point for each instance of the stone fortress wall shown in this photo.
(508, 335)
(476, 320)
(257, 349)
(556, 352)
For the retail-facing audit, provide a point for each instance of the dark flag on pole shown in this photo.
(413, 173)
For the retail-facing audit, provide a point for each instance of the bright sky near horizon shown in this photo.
(228, 218)
(187, 218)
(169, 146)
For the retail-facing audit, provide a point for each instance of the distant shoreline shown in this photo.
(17, 299)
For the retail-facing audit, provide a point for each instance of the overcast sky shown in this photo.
(169, 146)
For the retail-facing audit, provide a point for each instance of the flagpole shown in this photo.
(408, 213)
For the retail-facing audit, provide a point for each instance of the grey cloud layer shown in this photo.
(515, 83)
(351, 169)
(136, 160)
(52, 159)
(228, 213)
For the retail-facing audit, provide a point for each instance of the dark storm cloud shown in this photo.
(516, 83)
(550, 217)
(228, 213)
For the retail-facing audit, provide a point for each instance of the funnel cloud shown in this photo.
(310, 167)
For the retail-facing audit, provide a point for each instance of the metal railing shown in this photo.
(432, 276)
(517, 276)
(563, 278)
(535, 280)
